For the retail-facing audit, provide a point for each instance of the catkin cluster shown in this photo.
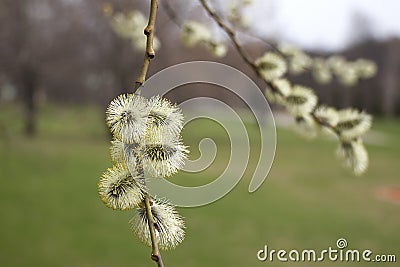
(131, 26)
(349, 125)
(146, 144)
(194, 33)
(235, 10)
(323, 70)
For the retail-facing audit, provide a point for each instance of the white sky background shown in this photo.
(322, 24)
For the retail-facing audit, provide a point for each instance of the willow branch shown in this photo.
(173, 16)
(231, 33)
(149, 53)
(148, 56)
(146, 204)
(233, 36)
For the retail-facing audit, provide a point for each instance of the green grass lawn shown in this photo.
(51, 214)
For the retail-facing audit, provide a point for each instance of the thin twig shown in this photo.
(170, 12)
(147, 202)
(149, 53)
(232, 35)
(173, 16)
(148, 56)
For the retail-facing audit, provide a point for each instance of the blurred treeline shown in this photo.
(65, 51)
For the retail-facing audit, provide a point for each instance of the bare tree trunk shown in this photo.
(29, 88)
(390, 78)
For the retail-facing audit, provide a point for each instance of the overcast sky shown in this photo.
(323, 24)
